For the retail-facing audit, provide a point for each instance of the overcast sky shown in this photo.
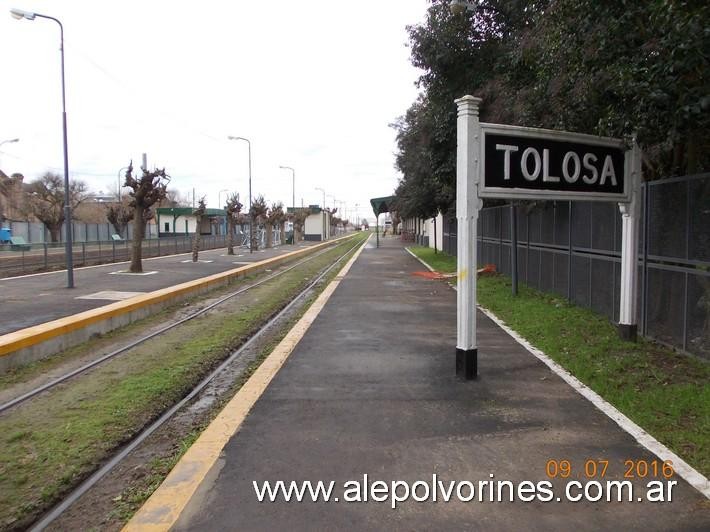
(314, 84)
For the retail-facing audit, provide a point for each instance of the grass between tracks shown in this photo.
(665, 392)
(52, 442)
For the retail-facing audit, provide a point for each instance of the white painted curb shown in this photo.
(682, 468)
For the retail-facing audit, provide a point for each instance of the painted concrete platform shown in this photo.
(34, 299)
(371, 390)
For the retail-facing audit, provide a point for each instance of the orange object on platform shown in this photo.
(431, 275)
(487, 269)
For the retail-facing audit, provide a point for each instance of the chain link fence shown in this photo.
(573, 249)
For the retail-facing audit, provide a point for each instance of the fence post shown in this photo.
(527, 248)
(569, 255)
(687, 256)
(629, 248)
(435, 233)
(514, 247)
(83, 252)
(468, 205)
(646, 233)
(46, 261)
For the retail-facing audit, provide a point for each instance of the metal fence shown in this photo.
(574, 250)
(41, 257)
(36, 233)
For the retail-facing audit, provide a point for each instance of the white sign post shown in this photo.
(630, 212)
(468, 204)
(501, 161)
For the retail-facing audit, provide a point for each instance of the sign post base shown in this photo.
(628, 332)
(467, 363)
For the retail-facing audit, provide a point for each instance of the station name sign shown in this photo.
(528, 163)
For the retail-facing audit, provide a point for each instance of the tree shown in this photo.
(233, 208)
(274, 218)
(198, 213)
(594, 66)
(257, 215)
(146, 191)
(299, 219)
(120, 215)
(45, 201)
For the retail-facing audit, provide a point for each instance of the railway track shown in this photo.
(125, 450)
(94, 363)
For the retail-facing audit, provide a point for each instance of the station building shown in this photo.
(317, 225)
(174, 221)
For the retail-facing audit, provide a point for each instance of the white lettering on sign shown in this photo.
(543, 164)
(590, 158)
(546, 177)
(571, 156)
(608, 171)
(506, 158)
(524, 164)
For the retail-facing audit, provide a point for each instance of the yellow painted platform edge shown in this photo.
(162, 510)
(14, 341)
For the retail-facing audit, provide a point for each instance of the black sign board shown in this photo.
(543, 164)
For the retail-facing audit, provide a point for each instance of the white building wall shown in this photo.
(314, 225)
(439, 231)
(180, 224)
(318, 224)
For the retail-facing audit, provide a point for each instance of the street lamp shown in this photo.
(293, 177)
(19, 14)
(334, 200)
(219, 206)
(322, 211)
(9, 141)
(119, 182)
(219, 197)
(251, 225)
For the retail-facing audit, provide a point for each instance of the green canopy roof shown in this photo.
(382, 205)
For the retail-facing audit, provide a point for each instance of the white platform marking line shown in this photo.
(126, 272)
(680, 466)
(112, 295)
(686, 471)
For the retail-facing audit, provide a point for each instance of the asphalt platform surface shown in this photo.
(371, 390)
(33, 299)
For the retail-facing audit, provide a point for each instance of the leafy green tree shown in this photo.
(595, 66)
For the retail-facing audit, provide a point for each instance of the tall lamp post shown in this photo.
(19, 14)
(323, 211)
(219, 206)
(119, 182)
(251, 225)
(219, 197)
(9, 141)
(293, 177)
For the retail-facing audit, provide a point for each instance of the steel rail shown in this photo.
(36, 391)
(126, 450)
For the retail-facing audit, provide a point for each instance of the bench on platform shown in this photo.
(17, 243)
